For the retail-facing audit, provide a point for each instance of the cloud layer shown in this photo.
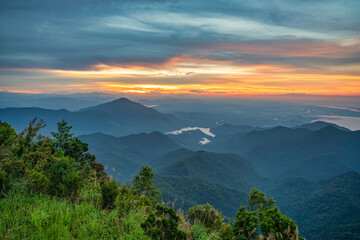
(181, 46)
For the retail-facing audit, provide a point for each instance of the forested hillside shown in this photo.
(333, 204)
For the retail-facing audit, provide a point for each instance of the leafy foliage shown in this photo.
(246, 224)
(263, 215)
(143, 184)
(57, 167)
(272, 222)
(163, 224)
(109, 193)
(206, 215)
(258, 202)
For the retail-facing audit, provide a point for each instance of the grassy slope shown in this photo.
(45, 217)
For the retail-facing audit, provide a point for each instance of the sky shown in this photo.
(172, 47)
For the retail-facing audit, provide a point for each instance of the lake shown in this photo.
(352, 123)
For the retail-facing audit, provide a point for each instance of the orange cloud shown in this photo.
(184, 75)
(21, 91)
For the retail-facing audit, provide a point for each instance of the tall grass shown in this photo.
(200, 232)
(44, 217)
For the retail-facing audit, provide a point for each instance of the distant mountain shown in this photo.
(229, 129)
(333, 204)
(319, 125)
(170, 158)
(123, 110)
(124, 156)
(119, 117)
(186, 192)
(280, 152)
(226, 169)
(19, 118)
(316, 155)
(243, 142)
(70, 102)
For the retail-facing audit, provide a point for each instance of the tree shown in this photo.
(143, 184)
(263, 215)
(96, 166)
(76, 149)
(273, 223)
(30, 135)
(17, 152)
(257, 200)
(246, 224)
(66, 141)
(7, 135)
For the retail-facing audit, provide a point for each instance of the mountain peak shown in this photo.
(317, 125)
(117, 103)
(122, 104)
(121, 100)
(281, 128)
(329, 129)
(347, 175)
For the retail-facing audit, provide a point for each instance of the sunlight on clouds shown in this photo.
(21, 91)
(185, 75)
(157, 87)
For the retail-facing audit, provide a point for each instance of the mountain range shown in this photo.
(280, 152)
(119, 117)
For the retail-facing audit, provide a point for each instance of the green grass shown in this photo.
(201, 233)
(44, 217)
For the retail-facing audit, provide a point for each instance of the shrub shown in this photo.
(127, 201)
(163, 224)
(109, 192)
(65, 177)
(38, 182)
(206, 215)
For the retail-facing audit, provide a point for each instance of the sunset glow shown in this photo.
(203, 76)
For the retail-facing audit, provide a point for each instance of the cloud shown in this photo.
(177, 42)
(196, 91)
(78, 35)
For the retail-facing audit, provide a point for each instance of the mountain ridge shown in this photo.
(120, 117)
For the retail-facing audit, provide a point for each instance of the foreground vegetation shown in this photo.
(55, 189)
